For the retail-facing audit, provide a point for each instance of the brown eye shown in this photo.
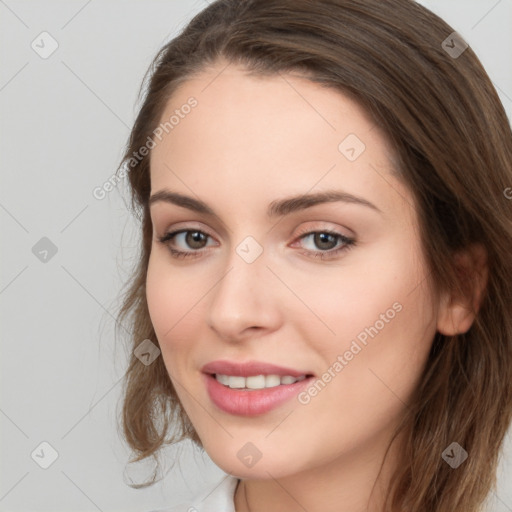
(185, 243)
(196, 239)
(325, 241)
(325, 244)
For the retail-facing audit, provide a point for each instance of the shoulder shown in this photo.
(218, 497)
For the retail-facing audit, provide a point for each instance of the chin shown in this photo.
(246, 461)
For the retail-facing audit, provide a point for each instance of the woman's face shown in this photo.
(333, 293)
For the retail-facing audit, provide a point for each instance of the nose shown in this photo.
(244, 300)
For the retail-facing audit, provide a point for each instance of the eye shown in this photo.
(194, 238)
(327, 241)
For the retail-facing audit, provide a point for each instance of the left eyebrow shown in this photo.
(282, 207)
(277, 208)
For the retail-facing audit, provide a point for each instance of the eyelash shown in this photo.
(348, 244)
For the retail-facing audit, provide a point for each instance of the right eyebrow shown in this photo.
(181, 200)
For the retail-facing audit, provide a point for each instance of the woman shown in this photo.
(326, 258)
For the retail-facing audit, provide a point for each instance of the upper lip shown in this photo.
(249, 369)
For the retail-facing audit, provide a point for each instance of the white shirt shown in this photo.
(220, 498)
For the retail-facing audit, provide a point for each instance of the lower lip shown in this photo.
(244, 402)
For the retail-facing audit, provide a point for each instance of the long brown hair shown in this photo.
(453, 144)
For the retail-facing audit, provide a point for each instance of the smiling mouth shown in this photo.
(257, 381)
(252, 388)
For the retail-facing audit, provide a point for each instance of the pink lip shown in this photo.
(249, 369)
(250, 402)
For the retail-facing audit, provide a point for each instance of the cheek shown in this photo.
(343, 304)
(170, 302)
(159, 296)
(384, 330)
(379, 317)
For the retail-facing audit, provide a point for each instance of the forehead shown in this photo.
(269, 136)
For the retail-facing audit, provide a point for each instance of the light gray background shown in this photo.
(64, 121)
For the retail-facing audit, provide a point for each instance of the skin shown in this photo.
(252, 140)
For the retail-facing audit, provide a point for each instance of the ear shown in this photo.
(457, 313)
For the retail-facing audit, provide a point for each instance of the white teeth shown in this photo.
(256, 381)
(272, 381)
(236, 382)
(288, 380)
(223, 379)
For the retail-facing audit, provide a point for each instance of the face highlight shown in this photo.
(244, 268)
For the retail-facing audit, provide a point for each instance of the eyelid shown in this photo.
(186, 226)
(304, 230)
(324, 226)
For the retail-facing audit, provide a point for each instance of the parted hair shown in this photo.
(453, 147)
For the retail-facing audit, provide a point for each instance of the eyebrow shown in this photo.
(277, 208)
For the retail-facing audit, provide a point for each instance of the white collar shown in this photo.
(218, 498)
